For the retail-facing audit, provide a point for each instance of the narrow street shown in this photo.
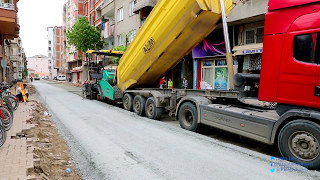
(107, 142)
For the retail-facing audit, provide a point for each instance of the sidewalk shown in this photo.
(16, 155)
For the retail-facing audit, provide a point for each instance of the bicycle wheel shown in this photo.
(8, 105)
(6, 119)
(3, 135)
(14, 101)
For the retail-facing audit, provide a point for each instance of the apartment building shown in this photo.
(9, 30)
(72, 11)
(39, 64)
(16, 55)
(52, 71)
(56, 45)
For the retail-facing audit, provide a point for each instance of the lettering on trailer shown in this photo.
(251, 51)
(149, 45)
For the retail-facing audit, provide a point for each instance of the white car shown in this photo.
(61, 78)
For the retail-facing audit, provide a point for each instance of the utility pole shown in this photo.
(227, 43)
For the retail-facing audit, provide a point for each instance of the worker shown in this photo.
(19, 92)
(170, 84)
(162, 83)
(185, 83)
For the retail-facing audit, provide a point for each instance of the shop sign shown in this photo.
(251, 51)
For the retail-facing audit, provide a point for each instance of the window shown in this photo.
(120, 14)
(92, 4)
(49, 42)
(250, 37)
(49, 48)
(259, 35)
(132, 35)
(91, 20)
(254, 35)
(120, 41)
(306, 47)
(131, 13)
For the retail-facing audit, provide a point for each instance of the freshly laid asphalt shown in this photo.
(107, 142)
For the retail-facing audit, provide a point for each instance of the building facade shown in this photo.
(9, 23)
(73, 10)
(245, 23)
(56, 46)
(52, 71)
(16, 55)
(40, 65)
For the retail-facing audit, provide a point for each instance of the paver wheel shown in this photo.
(299, 141)
(127, 102)
(188, 116)
(152, 111)
(139, 105)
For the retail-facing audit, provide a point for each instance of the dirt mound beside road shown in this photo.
(50, 147)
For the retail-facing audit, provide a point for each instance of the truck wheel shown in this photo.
(139, 103)
(188, 116)
(127, 102)
(299, 141)
(152, 111)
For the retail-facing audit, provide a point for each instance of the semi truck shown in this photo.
(289, 79)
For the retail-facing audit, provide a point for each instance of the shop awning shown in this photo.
(143, 3)
(247, 49)
(76, 69)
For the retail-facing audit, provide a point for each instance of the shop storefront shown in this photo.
(212, 73)
(250, 55)
(210, 65)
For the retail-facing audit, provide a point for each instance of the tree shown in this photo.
(118, 48)
(25, 69)
(84, 36)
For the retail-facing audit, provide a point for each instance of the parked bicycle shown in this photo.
(3, 134)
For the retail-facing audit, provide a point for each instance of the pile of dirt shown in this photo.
(31, 89)
(49, 146)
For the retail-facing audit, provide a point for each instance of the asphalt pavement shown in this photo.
(107, 142)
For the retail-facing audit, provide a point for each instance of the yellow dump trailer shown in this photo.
(171, 31)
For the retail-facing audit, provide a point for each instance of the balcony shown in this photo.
(107, 9)
(8, 20)
(7, 6)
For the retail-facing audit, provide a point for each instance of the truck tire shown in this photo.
(152, 111)
(299, 141)
(3, 135)
(139, 103)
(188, 116)
(127, 102)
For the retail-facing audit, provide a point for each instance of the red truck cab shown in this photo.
(290, 71)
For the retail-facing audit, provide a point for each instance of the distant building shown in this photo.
(56, 48)
(40, 65)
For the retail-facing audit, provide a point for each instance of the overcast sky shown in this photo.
(34, 18)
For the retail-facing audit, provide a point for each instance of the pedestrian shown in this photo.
(170, 84)
(31, 78)
(185, 83)
(162, 83)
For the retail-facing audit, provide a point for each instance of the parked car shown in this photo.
(36, 77)
(46, 77)
(62, 77)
